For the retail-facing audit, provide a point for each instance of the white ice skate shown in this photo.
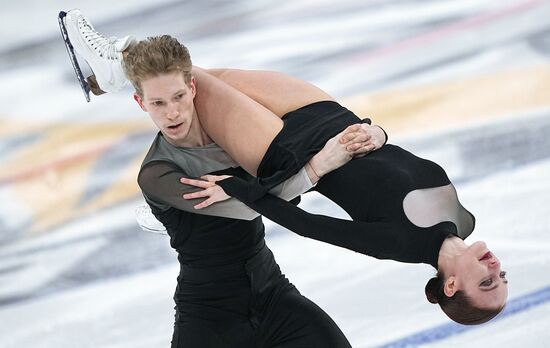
(104, 56)
(147, 221)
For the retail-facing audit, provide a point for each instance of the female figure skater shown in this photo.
(404, 208)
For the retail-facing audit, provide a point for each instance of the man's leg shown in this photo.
(294, 322)
(281, 315)
(198, 333)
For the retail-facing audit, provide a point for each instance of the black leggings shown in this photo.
(254, 306)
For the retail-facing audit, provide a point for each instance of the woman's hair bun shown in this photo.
(433, 288)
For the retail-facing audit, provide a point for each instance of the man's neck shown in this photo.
(196, 137)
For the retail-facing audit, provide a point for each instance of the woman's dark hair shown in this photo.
(459, 307)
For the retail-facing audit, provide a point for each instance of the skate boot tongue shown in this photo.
(123, 43)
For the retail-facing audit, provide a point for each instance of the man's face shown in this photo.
(169, 102)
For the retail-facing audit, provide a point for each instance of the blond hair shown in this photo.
(155, 56)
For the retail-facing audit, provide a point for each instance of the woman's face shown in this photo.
(477, 272)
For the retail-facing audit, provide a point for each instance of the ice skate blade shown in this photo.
(70, 51)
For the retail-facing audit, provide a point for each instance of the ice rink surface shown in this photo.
(464, 83)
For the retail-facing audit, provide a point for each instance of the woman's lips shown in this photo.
(486, 256)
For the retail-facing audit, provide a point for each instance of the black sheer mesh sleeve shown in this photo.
(161, 186)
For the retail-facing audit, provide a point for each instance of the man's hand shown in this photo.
(355, 141)
(213, 192)
(362, 138)
(333, 155)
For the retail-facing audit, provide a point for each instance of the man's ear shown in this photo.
(137, 98)
(193, 86)
(450, 287)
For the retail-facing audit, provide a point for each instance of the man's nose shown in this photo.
(172, 111)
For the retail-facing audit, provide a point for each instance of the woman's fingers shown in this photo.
(204, 203)
(197, 183)
(199, 194)
(214, 178)
(211, 178)
(213, 194)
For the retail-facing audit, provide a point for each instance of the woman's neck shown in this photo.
(451, 248)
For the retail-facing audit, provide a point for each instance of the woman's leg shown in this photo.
(278, 92)
(238, 124)
(242, 115)
(242, 126)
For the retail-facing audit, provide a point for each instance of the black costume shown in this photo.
(230, 291)
(371, 189)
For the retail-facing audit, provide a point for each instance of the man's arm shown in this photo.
(160, 183)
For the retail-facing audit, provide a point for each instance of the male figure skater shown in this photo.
(230, 292)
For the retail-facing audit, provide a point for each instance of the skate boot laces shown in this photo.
(106, 48)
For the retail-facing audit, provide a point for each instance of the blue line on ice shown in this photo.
(444, 331)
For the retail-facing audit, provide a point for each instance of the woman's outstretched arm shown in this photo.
(382, 240)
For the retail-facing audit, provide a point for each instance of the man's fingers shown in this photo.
(346, 138)
(362, 138)
(349, 137)
(357, 146)
(356, 137)
(347, 133)
(352, 128)
(361, 148)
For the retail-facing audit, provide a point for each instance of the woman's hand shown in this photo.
(211, 191)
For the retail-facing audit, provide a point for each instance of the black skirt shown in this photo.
(305, 132)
